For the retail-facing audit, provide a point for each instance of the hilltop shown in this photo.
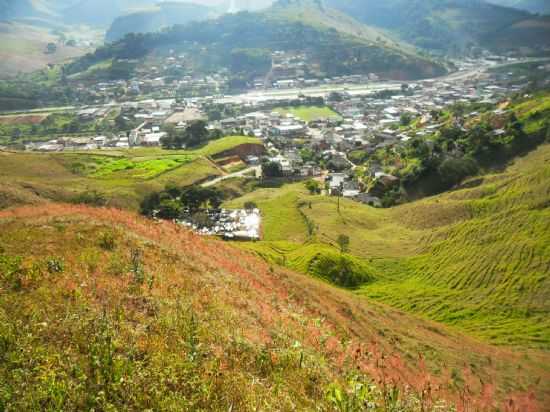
(155, 18)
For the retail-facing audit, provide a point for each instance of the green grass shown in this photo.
(102, 309)
(282, 219)
(142, 169)
(309, 113)
(476, 259)
(123, 176)
(534, 112)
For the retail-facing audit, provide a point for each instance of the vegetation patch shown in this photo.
(309, 113)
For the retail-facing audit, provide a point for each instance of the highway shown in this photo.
(359, 89)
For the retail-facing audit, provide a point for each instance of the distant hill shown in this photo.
(441, 25)
(157, 17)
(101, 12)
(534, 6)
(334, 43)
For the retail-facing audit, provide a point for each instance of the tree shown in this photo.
(272, 169)
(406, 119)
(196, 133)
(452, 171)
(51, 48)
(313, 187)
(343, 243)
(250, 205)
(169, 209)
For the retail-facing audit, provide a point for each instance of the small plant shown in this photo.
(136, 268)
(343, 243)
(12, 272)
(55, 265)
(117, 266)
(92, 198)
(107, 241)
(354, 397)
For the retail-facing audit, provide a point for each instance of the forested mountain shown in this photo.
(157, 17)
(441, 24)
(244, 42)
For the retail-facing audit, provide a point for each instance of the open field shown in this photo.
(188, 305)
(123, 176)
(309, 113)
(475, 258)
(23, 119)
(22, 48)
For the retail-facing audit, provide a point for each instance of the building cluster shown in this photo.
(166, 77)
(235, 224)
(366, 120)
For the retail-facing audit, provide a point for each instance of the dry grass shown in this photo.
(24, 119)
(240, 298)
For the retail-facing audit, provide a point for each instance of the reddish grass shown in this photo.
(341, 326)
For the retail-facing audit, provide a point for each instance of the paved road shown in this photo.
(358, 89)
(319, 91)
(242, 173)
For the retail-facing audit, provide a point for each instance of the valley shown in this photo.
(331, 206)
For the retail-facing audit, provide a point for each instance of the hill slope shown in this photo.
(444, 25)
(122, 178)
(153, 19)
(113, 311)
(244, 42)
(475, 258)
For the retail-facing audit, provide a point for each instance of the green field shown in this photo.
(476, 258)
(309, 113)
(123, 176)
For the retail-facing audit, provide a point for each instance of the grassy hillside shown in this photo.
(122, 177)
(102, 309)
(23, 46)
(475, 258)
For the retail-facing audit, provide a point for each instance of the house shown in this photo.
(152, 139)
(289, 131)
(310, 170)
(285, 164)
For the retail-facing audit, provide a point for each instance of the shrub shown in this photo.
(55, 265)
(12, 272)
(92, 198)
(453, 171)
(250, 206)
(313, 187)
(343, 243)
(107, 241)
(342, 270)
